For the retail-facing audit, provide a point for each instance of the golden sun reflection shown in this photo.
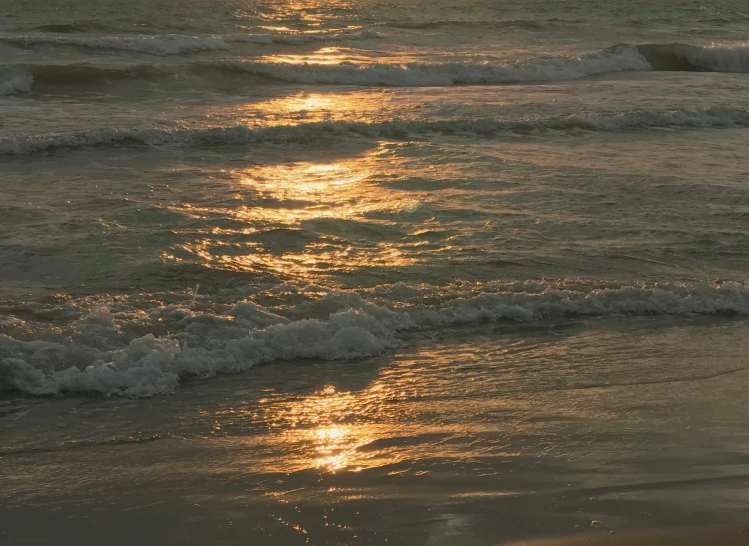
(305, 180)
(301, 218)
(335, 447)
(308, 106)
(324, 55)
(307, 102)
(330, 430)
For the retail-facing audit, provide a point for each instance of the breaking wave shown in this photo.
(690, 58)
(241, 135)
(91, 346)
(389, 74)
(618, 59)
(15, 80)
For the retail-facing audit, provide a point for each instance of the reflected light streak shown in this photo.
(300, 218)
(324, 55)
(322, 425)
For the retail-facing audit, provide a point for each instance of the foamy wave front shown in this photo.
(90, 349)
(15, 80)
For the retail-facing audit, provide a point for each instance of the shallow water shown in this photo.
(484, 437)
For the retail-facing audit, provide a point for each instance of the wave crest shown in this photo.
(15, 80)
(524, 24)
(689, 58)
(175, 44)
(95, 354)
(441, 74)
(619, 58)
(241, 135)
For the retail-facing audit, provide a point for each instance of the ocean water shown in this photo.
(498, 245)
(200, 189)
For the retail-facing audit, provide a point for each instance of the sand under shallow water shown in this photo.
(445, 442)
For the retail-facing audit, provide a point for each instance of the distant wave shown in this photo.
(91, 350)
(80, 26)
(175, 44)
(397, 129)
(415, 74)
(440, 74)
(620, 58)
(81, 74)
(170, 44)
(690, 58)
(524, 24)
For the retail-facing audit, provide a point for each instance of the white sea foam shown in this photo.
(14, 81)
(723, 58)
(245, 136)
(93, 354)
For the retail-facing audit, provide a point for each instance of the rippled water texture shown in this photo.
(416, 273)
(183, 187)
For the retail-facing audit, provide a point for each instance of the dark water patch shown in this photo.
(78, 27)
(690, 58)
(672, 57)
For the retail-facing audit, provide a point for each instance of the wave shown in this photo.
(14, 81)
(689, 58)
(81, 74)
(241, 135)
(619, 58)
(175, 44)
(415, 74)
(90, 351)
(524, 24)
(168, 44)
(390, 74)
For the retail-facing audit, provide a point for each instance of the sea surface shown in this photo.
(372, 241)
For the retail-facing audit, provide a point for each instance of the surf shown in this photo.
(325, 324)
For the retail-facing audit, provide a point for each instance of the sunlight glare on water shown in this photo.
(417, 273)
(286, 229)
